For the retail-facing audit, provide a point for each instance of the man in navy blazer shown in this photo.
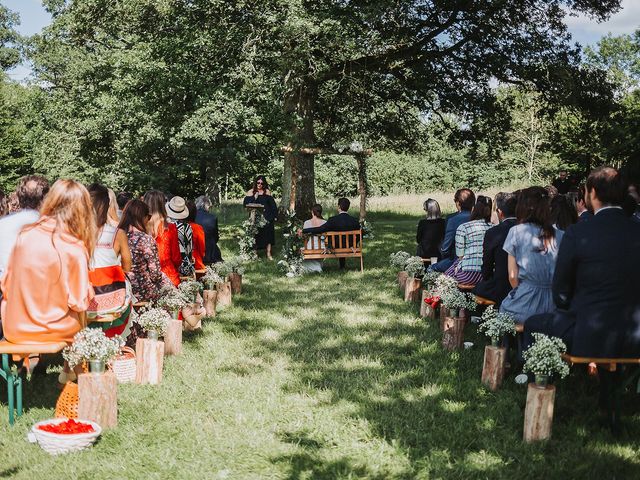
(495, 284)
(209, 223)
(342, 222)
(595, 285)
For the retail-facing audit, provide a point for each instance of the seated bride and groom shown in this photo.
(342, 222)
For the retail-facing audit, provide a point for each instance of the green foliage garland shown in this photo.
(292, 262)
(247, 240)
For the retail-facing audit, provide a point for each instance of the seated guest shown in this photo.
(178, 212)
(146, 276)
(122, 199)
(46, 284)
(209, 223)
(532, 248)
(430, 231)
(114, 216)
(342, 222)
(469, 240)
(581, 206)
(314, 242)
(166, 235)
(464, 199)
(199, 245)
(110, 260)
(563, 212)
(495, 274)
(30, 192)
(595, 286)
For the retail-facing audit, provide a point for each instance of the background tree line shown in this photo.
(202, 95)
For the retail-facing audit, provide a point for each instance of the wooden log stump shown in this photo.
(538, 414)
(236, 283)
(402, 279)
(443, 315)
(210, 298)
(412, 290)
(453, 336)
(173, 338)
(493, 367)
(426, 311)
(149, 361)
(193, 316)
(224, 295)
(98, 398)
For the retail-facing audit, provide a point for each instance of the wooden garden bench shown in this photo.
(613, 394)
(484, 301)
(336, 245)
(465, 287)
(11, 375)
(200, 273)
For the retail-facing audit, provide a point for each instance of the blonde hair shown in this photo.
(113, 208)
(69, 203)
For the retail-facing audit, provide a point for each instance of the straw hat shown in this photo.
(177, 208)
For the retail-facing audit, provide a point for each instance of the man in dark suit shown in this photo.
(342, 222)
(495, 284)
(562, 183)
(581, 206)
(209, 224)
(595, 285)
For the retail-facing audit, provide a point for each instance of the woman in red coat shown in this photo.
(166, 235)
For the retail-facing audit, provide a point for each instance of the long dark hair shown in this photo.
(317, 210)
(100, 200)
(563, 211)
(482, 209)
(534, 207)
(134, 215)
(265, 185)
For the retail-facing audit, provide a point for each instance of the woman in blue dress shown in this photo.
(532, 248)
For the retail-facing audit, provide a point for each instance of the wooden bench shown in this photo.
(484, 301)
(465, 287)
(12, 377)
(201, 273)
(336, 245)
(611, 391)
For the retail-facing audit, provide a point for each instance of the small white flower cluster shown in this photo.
(223, 269)
(211, 278)
(292, 263)
(399, 259)
(190, 289)
(496, 325)
(293, 268)
(247, 242)
(543, 357)
(172, 300)
(414, 267)
(430, 278)
(447, 289)
(367, 230)
(91, 344)
(353, 147)
(236, 265)
(154, 320)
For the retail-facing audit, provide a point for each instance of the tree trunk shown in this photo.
(362, 185)
(210, 298)
(453, 337)
(224, 294)
(298, 182)
(98, 398)
(493, 367)
(412, 290)
(149, 361)
(173, 338)
(538, 414)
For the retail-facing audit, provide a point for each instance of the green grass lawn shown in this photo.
(328, 376)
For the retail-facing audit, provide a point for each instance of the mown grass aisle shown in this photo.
(327, 376)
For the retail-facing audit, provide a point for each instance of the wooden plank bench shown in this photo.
(336, 245)
(12, 377)
(612, 392)
(465, 287)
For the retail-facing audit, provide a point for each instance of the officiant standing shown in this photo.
(260, 193)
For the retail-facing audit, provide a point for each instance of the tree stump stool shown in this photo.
(538, 414)
(426, 311)
(224, 294)
(173, 338)
(149, 361)
(402, 280)
(443, 316)
(210, 298)
(236, 283)
(493, 367)
(98, 398)
(453, 336)
(412, 289)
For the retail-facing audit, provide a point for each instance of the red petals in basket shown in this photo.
(68, 427)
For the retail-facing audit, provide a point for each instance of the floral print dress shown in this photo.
(146, 276)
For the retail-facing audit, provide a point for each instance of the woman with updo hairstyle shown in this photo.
(165, 234)
(430, 231)
(314, 241)
(532, 248)
(260, 193)
(467, 269)
(46, 284)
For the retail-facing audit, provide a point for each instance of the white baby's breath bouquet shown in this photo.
(223, 269)
(172, 300)
(399, 259)
(496, 325)
(91, 344)
(190, 289)
(414, 267)
(452, 298)
(154, 320)
(543, 357)
(430, 278)
(236, 265)
(211, 278)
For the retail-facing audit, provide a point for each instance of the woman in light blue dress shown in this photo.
(532, 248)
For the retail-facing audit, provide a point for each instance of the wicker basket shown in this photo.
(124, 365)
(67, 404)
(56, 443)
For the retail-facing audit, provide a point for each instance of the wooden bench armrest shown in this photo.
(604, 361)
(484, 301)
(466, 287)
(28, 348)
